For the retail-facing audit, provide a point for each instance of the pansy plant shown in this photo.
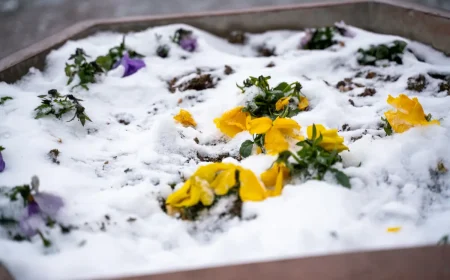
(318, 153)
(323, 38)
(185, 39)
(284, 101)
(58, 105)
(3, 99)
(408, 113)
(163, 49)
(121, 55)
(41, 209)
(81, 68)
(390, 52)
(115, 54)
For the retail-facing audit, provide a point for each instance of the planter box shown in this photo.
(408, 20)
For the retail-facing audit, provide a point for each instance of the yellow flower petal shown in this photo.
(274, 177)
(409, 113)
(232, 122)
(186, 196)
(224, 181)
(304, 103)
(185, 118)
(275, 142)
(330, 138)
(394, 229)
(258, 150)
(179, 195)
(288, 127)
(281, 103)
(260, 125)
(285, 123)
(250, 188)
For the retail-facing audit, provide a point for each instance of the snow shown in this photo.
(390, 176)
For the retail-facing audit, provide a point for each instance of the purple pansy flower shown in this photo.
(343, 29)
(2, 162)
(41, 207)
(305, 39)
(131, 65)
(188, 43)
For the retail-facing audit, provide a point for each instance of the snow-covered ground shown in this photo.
(121, 228)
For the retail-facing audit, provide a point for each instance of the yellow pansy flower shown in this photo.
(233, 121)
(216, 179)
(304, 103)
(250, 188)
(394, 229)
(274, 177)
(185, 118)
(409, 113)
(330, 138)
(275, 132)
(281, 103)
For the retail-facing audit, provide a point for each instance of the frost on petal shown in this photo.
(48, 203)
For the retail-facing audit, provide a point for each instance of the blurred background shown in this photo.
(24, 22)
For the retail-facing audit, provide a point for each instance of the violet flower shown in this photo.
(131, 65)
(188, 43)
(2, 162)
(41, 208)
(306, 39)
(342, 28)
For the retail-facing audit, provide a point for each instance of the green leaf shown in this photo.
(314, 132)
(4, 99)
(2, 148)
(282, 86)
(105, 62)
(387, 127)
(342, 178)
(246, 148)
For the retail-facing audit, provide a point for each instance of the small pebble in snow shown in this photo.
(351, 102)
(128, 170)
(228, 70)
(53, 155)
(270, 65)
(345, 127)
(237, 37)
(130, 219)
(368, 92)
(265, 51)
(371, 75)
(107, 217)
(92, 131)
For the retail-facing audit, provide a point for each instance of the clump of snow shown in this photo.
(133, 153)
